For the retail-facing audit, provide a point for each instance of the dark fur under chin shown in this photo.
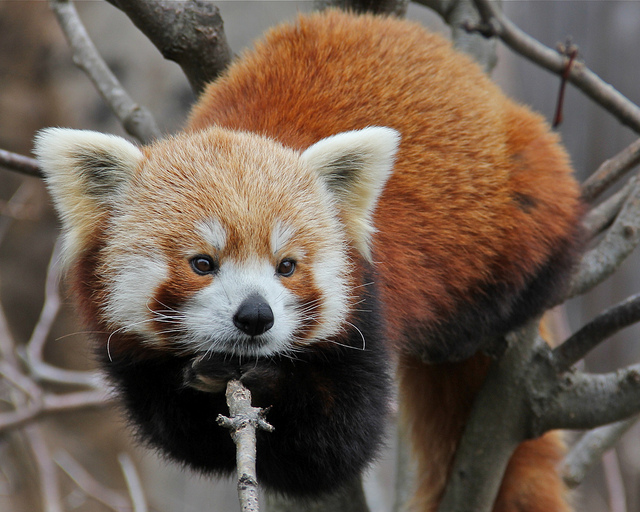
(328, 406)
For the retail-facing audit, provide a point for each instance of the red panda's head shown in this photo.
(218, 241)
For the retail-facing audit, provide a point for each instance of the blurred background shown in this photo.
(39, 86)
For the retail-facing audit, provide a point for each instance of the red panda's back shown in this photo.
(481, 209)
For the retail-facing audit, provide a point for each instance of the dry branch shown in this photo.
(89, 485)
(610, 171)
(602, 216)
(599, 329)
(20, 163)
(135, 119)
(619, 241)
(188, 33)
(47, 471)
(243, 423)
(589, 449)
(494, 23)
(136, 491)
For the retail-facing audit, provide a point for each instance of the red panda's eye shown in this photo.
(204, 265)
(286, 267)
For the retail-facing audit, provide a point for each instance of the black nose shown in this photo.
(254, 316)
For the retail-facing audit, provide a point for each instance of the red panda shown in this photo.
(349, 193)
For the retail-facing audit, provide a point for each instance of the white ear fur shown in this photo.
(355, 166)
(85, 172)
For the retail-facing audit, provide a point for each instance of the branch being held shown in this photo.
(243, 423)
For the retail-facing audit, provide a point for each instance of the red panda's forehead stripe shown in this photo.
(213, 233)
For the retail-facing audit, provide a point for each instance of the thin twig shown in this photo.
(39, 336)
(135, 119)
(589, 449)
(614, 481)
(243, 422)
(620, 240)
(20, 163)
(47, 471)
(602, 216)
(627, 112)
(49, 404)
(136, 491)
(599, 329)
(610, 171)
(89, 485)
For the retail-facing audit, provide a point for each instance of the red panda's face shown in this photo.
(220, 241)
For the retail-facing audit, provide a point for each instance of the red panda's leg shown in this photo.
(531, 482)
(435, 403)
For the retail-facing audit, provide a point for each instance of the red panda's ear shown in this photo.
(85, 172)
(355, 166)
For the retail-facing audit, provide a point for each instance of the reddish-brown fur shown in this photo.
(493, 187)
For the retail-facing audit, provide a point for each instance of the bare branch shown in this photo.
(243, 423)
(458, 14)
(135, 119)
(47, 471)
(39, 336)
(50, 403)
(20, 163)
(585, 401)
(85, 481)
(614, 481)
(602, 216)
(395, 7)
(610, 171)
(136, 491)
(496, 425)
(603, 326)
(188, 33)
(584, 79)
(589, 449)
(619, 241)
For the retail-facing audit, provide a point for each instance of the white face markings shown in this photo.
(213, 233)
(281, 235)
(208, 315)
(136, 278)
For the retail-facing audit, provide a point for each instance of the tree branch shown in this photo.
(36, 344)
(589, 449)
(135, 119)
(19, 163)
(599, 329)
(495, 23)
(458, 14)
(88, 484)
(586, 401)
(243, 423)
(619, 241)
(602, 216)
(610, 171)
(188, 33)
(395, 7)
(134, 484)
(49, 484)
(496, 425)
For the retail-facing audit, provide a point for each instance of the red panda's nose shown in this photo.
(254, 316)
